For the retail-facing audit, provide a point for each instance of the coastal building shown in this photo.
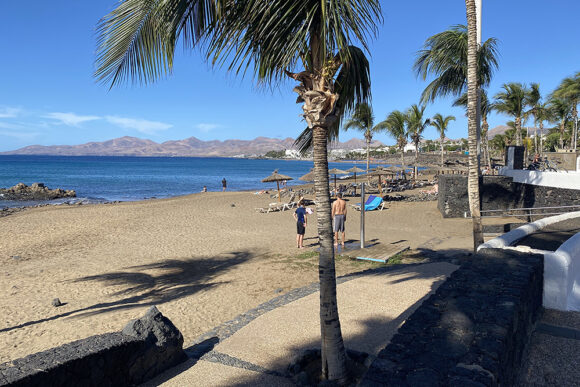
(410, 147)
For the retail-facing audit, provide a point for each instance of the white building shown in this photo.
(410, 147)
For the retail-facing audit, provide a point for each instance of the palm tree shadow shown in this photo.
(179, 278)
(374, 335)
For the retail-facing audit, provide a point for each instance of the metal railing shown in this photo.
(506, 213)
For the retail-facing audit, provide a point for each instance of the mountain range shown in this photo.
(189, 147)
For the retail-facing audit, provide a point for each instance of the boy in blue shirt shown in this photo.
(301, 219)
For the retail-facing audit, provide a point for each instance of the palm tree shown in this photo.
(569, 90)
(542, 113)
(415, 127)
(308, 41)
(498, 142)
(395, 126)
(440, 123)
(473, 85)
(485, 108)
(560, 111)
(534, 100)
(363, 119)
(512, 101)
(446, 55)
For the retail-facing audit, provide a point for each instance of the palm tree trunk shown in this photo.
(472, 91)
(403, 162)
(541, 152)
(368, 153)
(416, 161)
(574, 127)
(442, 158)
(518, 122)
(332, 346)
(535, 136)
(485, 138)
(562, 128)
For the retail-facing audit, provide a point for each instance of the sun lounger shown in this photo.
(376, 203)
(371, 199)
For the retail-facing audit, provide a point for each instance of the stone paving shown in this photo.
(257, 347)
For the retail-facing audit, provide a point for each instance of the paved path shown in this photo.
(257, 347)
(552, 356)
(552, 236)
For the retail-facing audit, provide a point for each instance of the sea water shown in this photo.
(111, 178)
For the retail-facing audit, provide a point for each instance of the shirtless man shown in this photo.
(339, 217)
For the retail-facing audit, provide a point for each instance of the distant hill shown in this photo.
(192, 147)
(500, 129)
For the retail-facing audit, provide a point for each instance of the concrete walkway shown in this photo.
(552, 356)
(551, 237)
(257, 347)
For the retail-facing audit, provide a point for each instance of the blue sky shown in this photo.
(48, 95)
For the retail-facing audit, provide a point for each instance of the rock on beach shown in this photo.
(36, 191)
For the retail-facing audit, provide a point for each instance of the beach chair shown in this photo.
(372, 204)
(369, 200)
(291, 203)
(377, 202)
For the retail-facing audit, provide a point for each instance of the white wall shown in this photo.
(569, 180)
(561, 267)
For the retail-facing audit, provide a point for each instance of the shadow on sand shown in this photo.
(179, 278)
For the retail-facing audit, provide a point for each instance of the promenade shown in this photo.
(257, 347)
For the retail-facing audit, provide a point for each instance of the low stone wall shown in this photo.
(500, 193)
(472, 331)
(145, 348)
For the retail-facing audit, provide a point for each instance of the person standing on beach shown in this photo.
(301, 220)
(224, 184)
(339, 218)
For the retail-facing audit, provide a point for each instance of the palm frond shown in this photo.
(137, 40)
(272, 36)
(444, 55)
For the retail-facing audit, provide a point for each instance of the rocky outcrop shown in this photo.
(37, 191)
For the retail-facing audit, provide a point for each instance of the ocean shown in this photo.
(110, 178)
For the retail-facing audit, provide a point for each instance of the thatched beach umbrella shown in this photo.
(308, 177)
(336, 171)
(355, 170)
(277, 178)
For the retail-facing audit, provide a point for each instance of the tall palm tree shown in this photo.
(534, 101)
(445, 55)
(363, 119)
(416, 124)
(473, 86)
(395, 126)
(308, 41)
(569, 89)
(560, 112)
(512, 101)
(485, 108)
(441, 123)
(542, 113)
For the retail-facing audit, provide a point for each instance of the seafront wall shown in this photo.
(500, 193)
(472, 331)
(145, 348)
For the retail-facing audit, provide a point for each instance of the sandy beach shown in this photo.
(202, 259)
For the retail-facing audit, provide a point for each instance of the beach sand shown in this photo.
(202, 259)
